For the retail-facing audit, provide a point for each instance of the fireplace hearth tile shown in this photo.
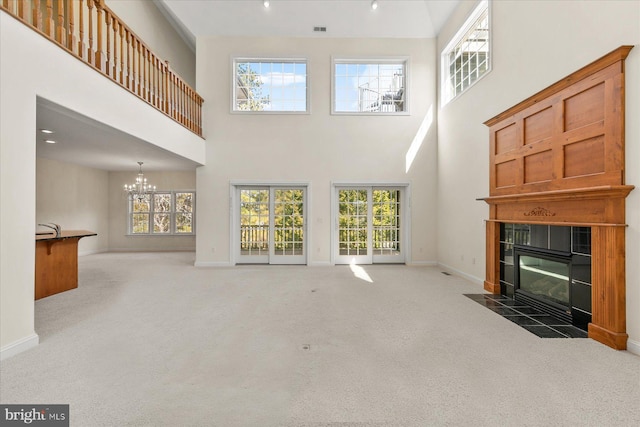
(527, 310)
(550, 320)
(529, 318)
(511, 303)
(544, 331)
(572, 331)
(522, 320)
(504, 311)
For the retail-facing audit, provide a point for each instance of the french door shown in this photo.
(270, 225)
(369, 225)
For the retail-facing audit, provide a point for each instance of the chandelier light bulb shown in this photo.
(266, 3)
(374, 4)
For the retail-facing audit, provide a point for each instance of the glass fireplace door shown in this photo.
(544, 278)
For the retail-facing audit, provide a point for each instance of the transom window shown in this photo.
(270, 85)
(163, 213)
(466, 58)
(370, 87)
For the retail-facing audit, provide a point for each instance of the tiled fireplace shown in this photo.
(556, 228)
(548, 267)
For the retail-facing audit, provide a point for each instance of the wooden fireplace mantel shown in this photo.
(557, 158)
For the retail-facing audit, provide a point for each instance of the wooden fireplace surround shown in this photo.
(557, 158)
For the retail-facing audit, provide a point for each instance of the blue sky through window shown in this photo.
(282, 85)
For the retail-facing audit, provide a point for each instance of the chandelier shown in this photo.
(140, 189)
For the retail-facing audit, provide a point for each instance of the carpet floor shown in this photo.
(149, 340)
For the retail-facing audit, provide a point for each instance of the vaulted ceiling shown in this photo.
(297, 18)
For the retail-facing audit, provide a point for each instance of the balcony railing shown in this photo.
(90, 31)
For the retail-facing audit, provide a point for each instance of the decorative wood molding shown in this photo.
(617, 55)
(539, 211)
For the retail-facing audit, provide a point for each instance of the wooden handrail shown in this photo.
(91, 32)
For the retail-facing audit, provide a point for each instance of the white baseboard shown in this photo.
(422, 263)
(457, 272)
(633, 347)
(319, 264)
(19, 346)
(97, 251)
(212, 264)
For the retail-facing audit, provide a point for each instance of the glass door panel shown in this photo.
(353, 238)
(254, 225)
(386, 225)
(288, 227)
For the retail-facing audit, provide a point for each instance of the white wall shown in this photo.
(534, 44)
(118, 239)
(317, 148)
(152, 27)
(76, 198)
(32, 66)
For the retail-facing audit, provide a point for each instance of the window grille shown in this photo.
(265, 85)
(370, 87)
(467, 57)
(163, 213)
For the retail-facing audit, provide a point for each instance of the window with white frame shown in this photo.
(467, 56)
(163, 213)
(270, 85)
(369, 86)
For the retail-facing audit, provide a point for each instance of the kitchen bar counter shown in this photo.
(57, 261)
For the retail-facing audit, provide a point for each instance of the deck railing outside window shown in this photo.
(89, 30)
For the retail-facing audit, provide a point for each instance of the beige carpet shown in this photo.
(149, 340)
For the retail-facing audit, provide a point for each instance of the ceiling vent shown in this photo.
(320, 29)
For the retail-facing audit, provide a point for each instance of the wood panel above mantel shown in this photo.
(569, 135)
(578, 207)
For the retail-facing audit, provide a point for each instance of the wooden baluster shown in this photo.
(128, 45)
(71, 38)
(109, 58)
(90, 55)
(81, 44)
(139, 67)
(165, 80)
(158, 67)
(99, 61)
(60, 29)
(8, 4)
(183, 104)
(158, 75)
(188, 96)
(114, 62)
(154, 64)
(149, 76)
(145, 78)
(176, 98)
(108, 62)
(200, 116)
(152, 78)
(143, 72)
(36, 15)
(23, 8)
(48, 21)
(179, 100)
(122, 55)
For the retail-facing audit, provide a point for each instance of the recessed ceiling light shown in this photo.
(46, 131)
(49, 141)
